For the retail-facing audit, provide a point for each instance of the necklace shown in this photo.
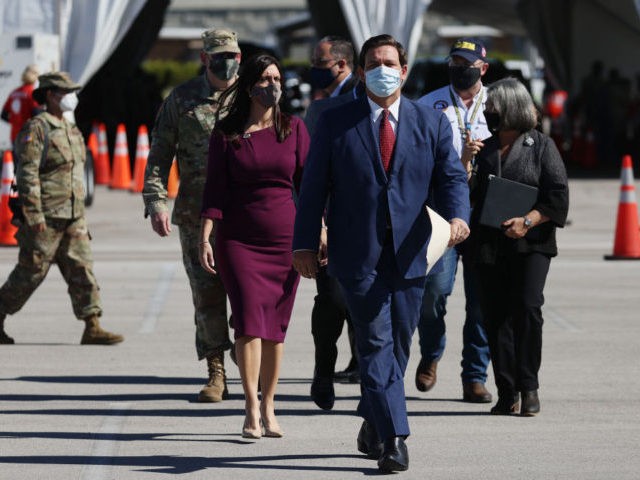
(258, 127)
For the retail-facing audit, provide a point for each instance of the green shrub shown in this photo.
(170, 73)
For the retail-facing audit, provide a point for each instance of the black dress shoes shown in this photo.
(506, 405)
(475, 392)
(395, 457)
(368, 441)
(426, 375)
(351, 374)
(322, 392)
(6, 339)
(530, 403)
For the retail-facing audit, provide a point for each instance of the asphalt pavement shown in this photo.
(129, 411)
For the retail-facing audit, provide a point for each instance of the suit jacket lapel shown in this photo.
(365, 131)
(406, 122)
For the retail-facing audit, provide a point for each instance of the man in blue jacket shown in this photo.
(377, 160)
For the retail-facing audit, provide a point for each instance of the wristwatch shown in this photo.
(527, 222)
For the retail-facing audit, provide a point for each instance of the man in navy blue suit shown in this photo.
(377, 160)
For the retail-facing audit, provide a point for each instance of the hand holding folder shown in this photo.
(506, 199)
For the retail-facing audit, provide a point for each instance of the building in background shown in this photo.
(256, 22)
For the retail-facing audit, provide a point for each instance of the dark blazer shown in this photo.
(534, 159)
(348, 86)
(318, 106)
(344, 166)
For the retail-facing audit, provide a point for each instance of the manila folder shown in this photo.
(440, 235)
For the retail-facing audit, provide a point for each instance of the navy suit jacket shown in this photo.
(344, 166)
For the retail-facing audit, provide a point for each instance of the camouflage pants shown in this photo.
(209, 297)
(66, 243)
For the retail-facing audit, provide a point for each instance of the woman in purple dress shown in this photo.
(256, 155)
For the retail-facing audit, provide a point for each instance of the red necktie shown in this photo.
(387, 140)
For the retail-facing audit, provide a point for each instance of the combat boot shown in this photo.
(216, 388)
(95, 335)
(4, 338)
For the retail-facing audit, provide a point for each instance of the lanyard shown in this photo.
(461, 125)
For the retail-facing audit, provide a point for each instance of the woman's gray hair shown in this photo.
(510, 98)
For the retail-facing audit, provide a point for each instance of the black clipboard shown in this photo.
(506, 199)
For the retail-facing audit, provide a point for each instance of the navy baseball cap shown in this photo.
(469, 48)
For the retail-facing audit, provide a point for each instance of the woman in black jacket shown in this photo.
(512, 262)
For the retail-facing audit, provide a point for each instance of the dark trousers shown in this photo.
(385, 308)
(512, 298)
(327, 320)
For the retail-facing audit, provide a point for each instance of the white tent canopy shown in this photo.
(89, 30)
(400, 18)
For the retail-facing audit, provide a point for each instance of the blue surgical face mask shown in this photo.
(382, 81)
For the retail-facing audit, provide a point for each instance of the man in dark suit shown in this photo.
(329, 308)
(375, 160)
(332, 68)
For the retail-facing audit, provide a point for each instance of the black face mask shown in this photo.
(321, 77)
(493, 121)
(463, 78)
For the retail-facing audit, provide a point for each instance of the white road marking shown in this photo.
(553, 316)
(106, 445)
(156, 303)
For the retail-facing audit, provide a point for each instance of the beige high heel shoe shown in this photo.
(275, 432)
(254, 433)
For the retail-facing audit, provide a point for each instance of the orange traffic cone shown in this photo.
(92, 145)
(102, 164)
(121, 177)
(627, 241)
(142, 152)
(174, 180)
(7, 229)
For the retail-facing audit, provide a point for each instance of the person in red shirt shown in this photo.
(20, 105)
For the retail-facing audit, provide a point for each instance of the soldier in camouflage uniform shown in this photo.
(50, 153)
(183, 127)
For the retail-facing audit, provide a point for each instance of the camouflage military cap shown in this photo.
(220, 40)
(57, 80)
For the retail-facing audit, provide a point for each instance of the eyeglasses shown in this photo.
(323, 63)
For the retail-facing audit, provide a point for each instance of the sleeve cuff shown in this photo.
(34, 218)
(212, 213)
(556, 218)
(155, 207)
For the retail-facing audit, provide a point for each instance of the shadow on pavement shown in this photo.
(135, 379)
(141, 397)
(125, 437)
(180, 465)
(218, 412)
